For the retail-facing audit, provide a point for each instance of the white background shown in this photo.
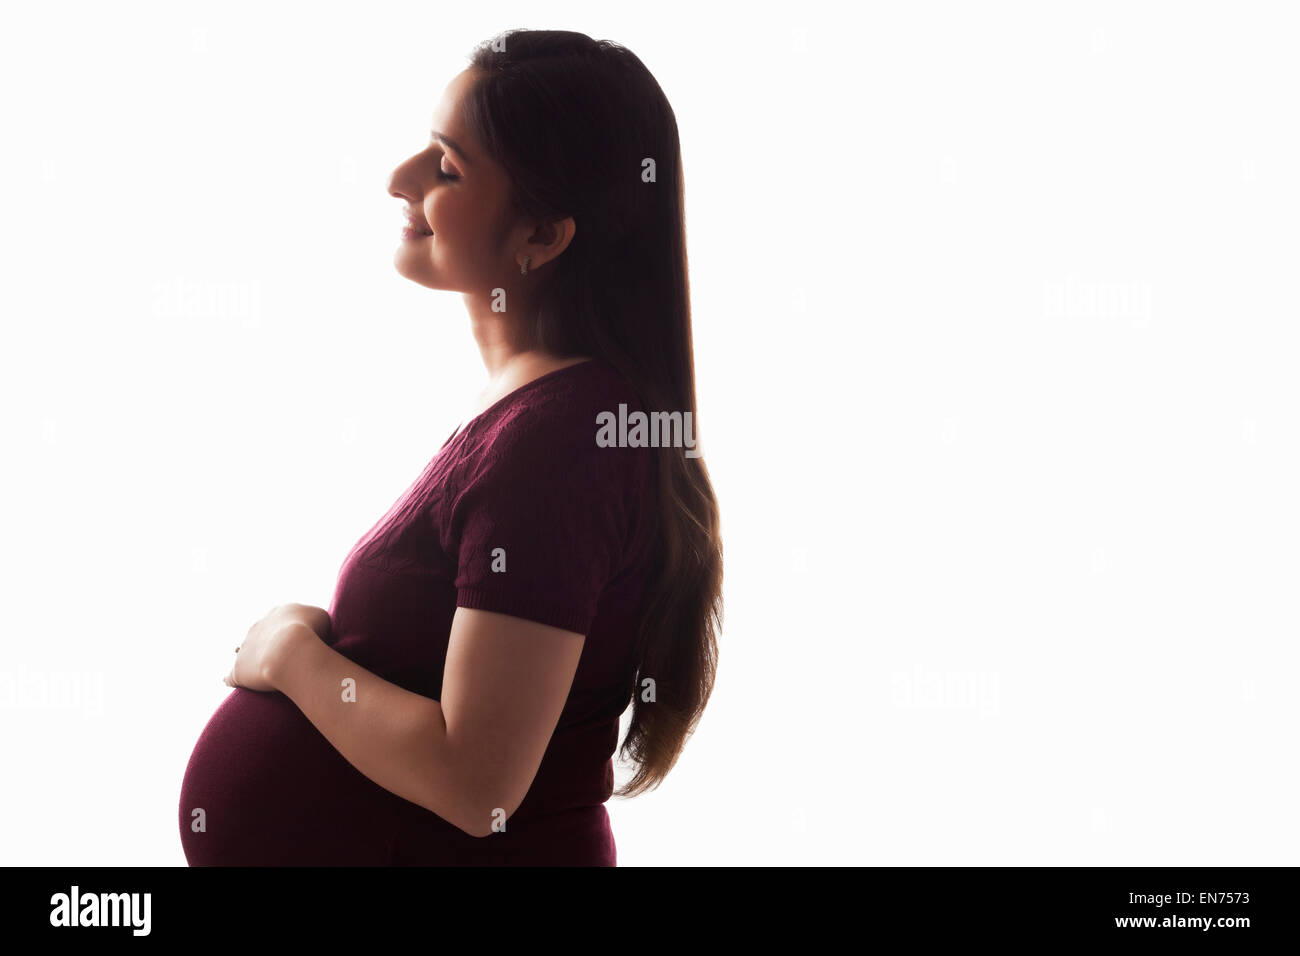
(994, 311)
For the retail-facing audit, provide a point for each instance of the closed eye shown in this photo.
(441, 174)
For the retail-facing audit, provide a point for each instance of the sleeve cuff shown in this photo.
(563, 617)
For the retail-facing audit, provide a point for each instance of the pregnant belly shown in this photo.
(273, 791)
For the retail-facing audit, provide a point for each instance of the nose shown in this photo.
(403, 184)
(395, 190)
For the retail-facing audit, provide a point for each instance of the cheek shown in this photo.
(462, 236)
(451, 217)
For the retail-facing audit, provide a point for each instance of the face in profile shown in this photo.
(458, 237)
(454, 198)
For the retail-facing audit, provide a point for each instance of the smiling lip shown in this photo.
(410, 233)
(415, 226)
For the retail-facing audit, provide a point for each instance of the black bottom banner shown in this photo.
(1228, 906)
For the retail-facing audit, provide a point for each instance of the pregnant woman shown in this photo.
(459, 701)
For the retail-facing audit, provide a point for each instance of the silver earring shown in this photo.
(523, 269)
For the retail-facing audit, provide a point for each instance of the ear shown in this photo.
(548, 241)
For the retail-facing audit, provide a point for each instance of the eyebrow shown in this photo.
(452, 145)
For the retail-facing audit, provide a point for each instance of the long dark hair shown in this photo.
(573, 120)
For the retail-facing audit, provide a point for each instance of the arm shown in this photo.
(504, 686)
(470, 757)
(395, 737)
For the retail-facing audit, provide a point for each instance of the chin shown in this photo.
(416, 272)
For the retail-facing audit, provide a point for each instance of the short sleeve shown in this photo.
(541, 523)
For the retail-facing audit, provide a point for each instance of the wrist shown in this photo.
(291, 642)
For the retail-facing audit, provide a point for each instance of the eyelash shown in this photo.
(445, 176)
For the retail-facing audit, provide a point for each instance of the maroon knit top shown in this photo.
(523, 484)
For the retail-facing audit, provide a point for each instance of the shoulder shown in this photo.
(536, 482)
(541, 452)
(556, 427)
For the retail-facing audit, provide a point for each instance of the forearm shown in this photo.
(397, 738)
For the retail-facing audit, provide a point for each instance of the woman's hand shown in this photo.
(317, 618)
(266, 642)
